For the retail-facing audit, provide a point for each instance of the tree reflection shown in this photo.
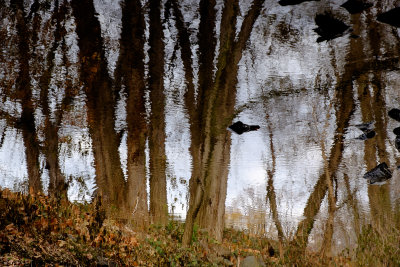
(24, 94)
(353, 78)
(57, 184)
(373, 106)
(158, 183)
(130, 72)
(100, 104)
(208, 189)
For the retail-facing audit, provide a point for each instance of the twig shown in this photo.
(135, 209)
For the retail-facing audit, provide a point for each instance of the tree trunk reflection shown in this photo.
(57, 184)
(158, 183)
(130, 73)
(24, 93)
(207, 43)
(217, 106)
(271, 196)
(100, 104)
(375, 108)
(344, 109)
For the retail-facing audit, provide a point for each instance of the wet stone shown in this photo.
(368, 130)
(293, 2)
(329, 27)
(394, 113)
(366, 126)
(239, 127)
(391, 17)
(356, 6)
(397, 142)
(378, 174)
(366, 135)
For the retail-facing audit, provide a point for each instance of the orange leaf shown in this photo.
(133, 241)
(69, 222)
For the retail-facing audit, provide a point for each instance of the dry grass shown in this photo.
(37, 230)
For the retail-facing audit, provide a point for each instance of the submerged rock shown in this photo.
(293, 2)
(367, 135)
(366, 126)
(356, 6)
(394, 113)
(379, 174)
(391, 17)
(396, 131)
(397, 142)
(329, 27)
(367, 129)
(239, 127)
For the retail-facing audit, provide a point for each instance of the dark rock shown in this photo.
(378, 174)
(396, 131)
(367, 135)
(356, 6)
(366, 126)
(370, 134)
(293, 2)
(391, 17)
(329, 27)
(394, 113)
(271, 251)
(397, 142)
(239, 127)
(367, 129)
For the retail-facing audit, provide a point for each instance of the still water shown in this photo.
(308, 98)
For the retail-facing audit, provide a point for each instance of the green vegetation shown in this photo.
(38, 230)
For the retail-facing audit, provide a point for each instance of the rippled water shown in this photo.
(290, 86)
